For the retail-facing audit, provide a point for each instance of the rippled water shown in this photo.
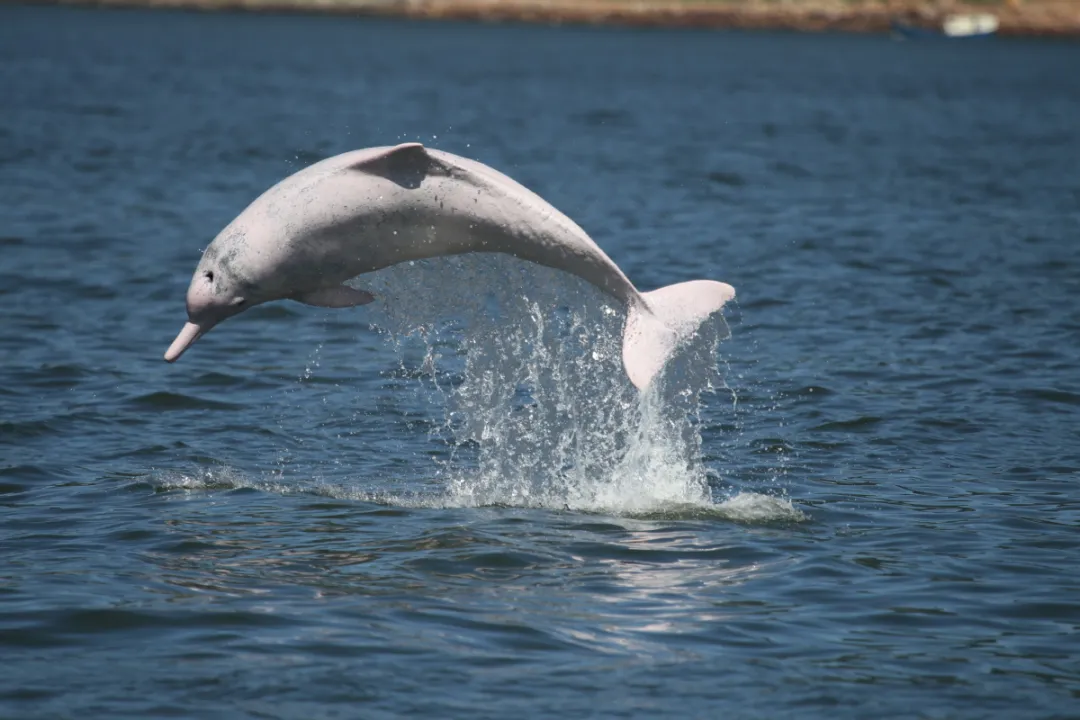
(465, 511)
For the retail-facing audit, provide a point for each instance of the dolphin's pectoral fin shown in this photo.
(406, 164)
(337, 296)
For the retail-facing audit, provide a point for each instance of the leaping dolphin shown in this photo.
(369, 209)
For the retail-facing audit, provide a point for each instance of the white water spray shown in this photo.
(517, 370)
(526, 363)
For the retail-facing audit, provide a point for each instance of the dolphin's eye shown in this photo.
(210, 275)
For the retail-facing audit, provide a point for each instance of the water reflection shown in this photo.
(611, 585)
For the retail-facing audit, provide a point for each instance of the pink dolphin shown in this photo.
(365, 210)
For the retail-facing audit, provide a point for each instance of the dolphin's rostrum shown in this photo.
(369, 209)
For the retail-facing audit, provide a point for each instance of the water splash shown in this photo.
(745, 507)
(525, 363)
(515, 374)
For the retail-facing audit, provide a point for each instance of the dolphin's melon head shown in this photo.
(217, 291)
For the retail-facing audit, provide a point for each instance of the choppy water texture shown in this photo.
(864, 502)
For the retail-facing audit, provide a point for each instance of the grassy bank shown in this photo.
(1017, 17)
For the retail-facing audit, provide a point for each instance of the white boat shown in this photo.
(968, 25)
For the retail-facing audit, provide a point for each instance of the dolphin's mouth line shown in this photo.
(188, 335)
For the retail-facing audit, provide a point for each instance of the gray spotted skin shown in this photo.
(369, 209)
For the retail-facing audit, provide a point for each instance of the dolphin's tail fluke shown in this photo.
(672, 316)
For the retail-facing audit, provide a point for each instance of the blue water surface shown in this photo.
(875, 512)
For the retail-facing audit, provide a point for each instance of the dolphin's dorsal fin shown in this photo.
(406, 164)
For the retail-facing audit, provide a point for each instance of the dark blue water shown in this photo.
(871, 509)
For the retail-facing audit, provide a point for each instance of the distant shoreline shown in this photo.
(1027, 18)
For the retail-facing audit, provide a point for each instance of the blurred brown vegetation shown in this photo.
(1017, 17)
